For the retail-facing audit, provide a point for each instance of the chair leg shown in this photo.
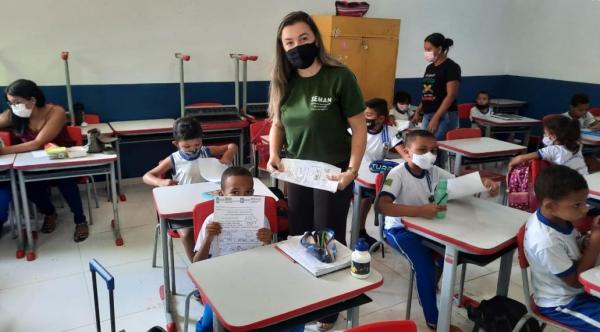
(95, 191)
(89, 202)
(172, 258)
(186, 316)
(463, 273)
(107, 182)
(11, 219)
(409, 297)
(156, 232)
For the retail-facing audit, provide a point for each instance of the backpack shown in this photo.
(501, 314)
(520, 182)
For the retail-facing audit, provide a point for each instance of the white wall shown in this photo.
(557, 39)
(134, 41)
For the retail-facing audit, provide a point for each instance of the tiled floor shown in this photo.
(54, 293)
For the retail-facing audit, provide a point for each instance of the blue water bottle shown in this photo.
(441, 197)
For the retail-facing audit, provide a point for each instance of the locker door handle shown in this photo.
(364, 45)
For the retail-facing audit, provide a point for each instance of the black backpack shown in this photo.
(501, 314)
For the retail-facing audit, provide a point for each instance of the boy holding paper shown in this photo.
(184, 164)
(408, 191)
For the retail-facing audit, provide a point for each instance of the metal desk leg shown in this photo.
(488, 131)
(448, 280)
(17, 216)
(122, 196)
(457, 163)
(355, 214)
(31, 255)
(504, 274)
(352, 317)
(166, 289)
(526, 139)
(115, 205)
(241, 150)
(217, 326)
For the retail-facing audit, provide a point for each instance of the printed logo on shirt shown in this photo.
(399, 135)
(318, 103)
(388, 182)
(428, 82)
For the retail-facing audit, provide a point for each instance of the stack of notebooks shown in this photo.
(293, 249)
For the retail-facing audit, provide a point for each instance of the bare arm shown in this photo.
(51, 129)
(357, 150)
(402, 151)
(387, 207)
(587, 261)
(5, 119)
(227, 152)
(153, 176)
(275, 144)
(212, 229)
(522, 158)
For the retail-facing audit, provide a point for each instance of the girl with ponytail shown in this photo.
(562, 144)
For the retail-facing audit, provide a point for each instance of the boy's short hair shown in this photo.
(413, 134)
(186, 128)
(579, 99)
(378, 105)
(483, 92)
(556, 182)
(234, 171)
(402, 97)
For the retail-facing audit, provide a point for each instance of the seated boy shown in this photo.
(184, 164)
(481, 109)
(408, 192)
(402, 109)
(578, 110)
(380, 139)
(555, 258)
(235, 181)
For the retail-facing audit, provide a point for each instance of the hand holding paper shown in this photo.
(308, 173)
(466, 185)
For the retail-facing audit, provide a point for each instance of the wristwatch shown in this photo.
(353, 171)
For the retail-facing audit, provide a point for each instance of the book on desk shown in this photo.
(298, 253)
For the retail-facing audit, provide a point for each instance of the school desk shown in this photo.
(104, 128)
(139, 131)
(493, 125)
(479, 150)
(504, 105)
(178, 202)
(475, 226)
(31, 168)
(262, 288)
(590, 280)
(7, 174)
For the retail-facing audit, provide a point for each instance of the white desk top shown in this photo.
(494, 121)
(179, 201)
(476, 225)
(142, 126)
(593, 181)
(506, 102)
(6, 161)
(480, 147)
(245, 289)
(26, 161)
(104, 129)
(590, 280)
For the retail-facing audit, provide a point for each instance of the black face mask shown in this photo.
(370, 124)
(302, 56)
(482, 107)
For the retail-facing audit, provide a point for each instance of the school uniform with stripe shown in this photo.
(186, 168)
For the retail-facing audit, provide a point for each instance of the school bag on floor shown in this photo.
(520, 182)
(501, 314)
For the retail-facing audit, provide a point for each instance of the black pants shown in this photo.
(38, 193)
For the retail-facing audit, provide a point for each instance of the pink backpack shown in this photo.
(520, 181)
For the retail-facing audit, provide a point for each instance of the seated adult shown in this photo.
(34, 123)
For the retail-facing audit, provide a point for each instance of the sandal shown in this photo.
(81, 232)
(49, 223)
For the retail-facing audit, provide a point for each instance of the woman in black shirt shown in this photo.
(440, 88)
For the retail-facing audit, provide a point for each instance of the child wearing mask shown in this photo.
(482, 107)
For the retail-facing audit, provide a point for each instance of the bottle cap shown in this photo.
(361, 245)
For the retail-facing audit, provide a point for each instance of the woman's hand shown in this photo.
(344, 179)
(274, 164)
(433, 125)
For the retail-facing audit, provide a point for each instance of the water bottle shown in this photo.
(361, 260)
(441, 197)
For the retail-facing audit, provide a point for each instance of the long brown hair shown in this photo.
(283, 70)
(566, 130)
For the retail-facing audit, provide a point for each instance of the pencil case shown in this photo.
(320, 244)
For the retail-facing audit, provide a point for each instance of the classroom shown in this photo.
(282, 165)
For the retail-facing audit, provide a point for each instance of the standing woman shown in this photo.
(313, 101)
(440, 88)
(34, 123)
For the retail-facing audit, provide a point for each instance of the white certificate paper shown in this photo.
(211, 169)
(466, 185)
(240, 218)
(308, 173)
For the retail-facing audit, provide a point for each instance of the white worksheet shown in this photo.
(240, 218)
(308, 173)
(211, 169)
(466, 185)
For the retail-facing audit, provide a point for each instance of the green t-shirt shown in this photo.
(315, 115)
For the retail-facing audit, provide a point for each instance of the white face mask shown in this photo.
(403, 107)
(429, 56)
(21, 110)
(424, 161)
(547, 141)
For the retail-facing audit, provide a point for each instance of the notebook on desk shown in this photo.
(294, 250)
(507, 116)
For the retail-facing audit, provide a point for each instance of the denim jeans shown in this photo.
(38, 193)
(448, 122)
